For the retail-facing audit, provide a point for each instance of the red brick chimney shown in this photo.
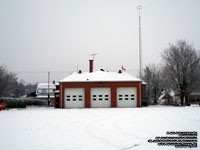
(91, 66)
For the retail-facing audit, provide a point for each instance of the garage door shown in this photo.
(100, 97)
(126, 97)
(74, 98)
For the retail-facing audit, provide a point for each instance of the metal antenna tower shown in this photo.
(139, 7)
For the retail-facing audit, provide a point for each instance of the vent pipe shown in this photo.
(79, 71)
(91, 66)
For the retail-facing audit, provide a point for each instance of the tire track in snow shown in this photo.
(130, 147)
(94, 125)
(123, 132)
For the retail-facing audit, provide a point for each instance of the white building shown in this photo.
(43, 90)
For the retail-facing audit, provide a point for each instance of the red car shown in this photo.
(2, 106)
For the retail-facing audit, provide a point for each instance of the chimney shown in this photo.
(91, 66)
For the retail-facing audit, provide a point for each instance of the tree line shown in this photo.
(10, 85)
(179, 72)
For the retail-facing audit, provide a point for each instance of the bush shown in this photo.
(22, 102)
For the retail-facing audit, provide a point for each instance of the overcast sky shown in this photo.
(37, 36)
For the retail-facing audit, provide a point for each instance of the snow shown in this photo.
(99, 76)
(89, 129)
(45, 96)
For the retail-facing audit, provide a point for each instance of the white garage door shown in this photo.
(100, 97)
(74, 98)
(127, 97)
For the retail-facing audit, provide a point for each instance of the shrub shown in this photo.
(22, 102)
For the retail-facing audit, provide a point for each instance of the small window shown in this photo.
(126, 98)
(80, 96)
(106, 99)
(120, 95)
(132, 95)
(94, 96)
(100, 95)
(132, 98)
(126, 95)
(74, 95)
(80, 99)
(68, 99)
(100, 99)
(106, 95)
(120, 99)
(68, 95)
(44, 91)
(94, 99)
(74, 99)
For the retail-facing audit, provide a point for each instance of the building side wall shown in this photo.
(87, 97)
(114, 96)
(88, 85)
(139, 93)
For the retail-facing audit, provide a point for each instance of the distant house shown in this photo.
(99, 89)
(43, 90)
(194, 98)
(166, 98)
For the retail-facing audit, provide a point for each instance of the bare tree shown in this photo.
(182, 68)
(153, 77)
(4, 80)
(17, 88)
(9, 84)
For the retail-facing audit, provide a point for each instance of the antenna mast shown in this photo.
(139, 7)
(93, 55)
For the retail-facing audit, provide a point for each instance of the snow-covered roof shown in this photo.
(163, 94)
(45, 86)
(144, 82)
(99, 76)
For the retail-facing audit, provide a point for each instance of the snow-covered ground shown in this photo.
(94, 129)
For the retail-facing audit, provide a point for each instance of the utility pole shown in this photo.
(48, 88)
(139, 7)
(77, 68)
(30, 92)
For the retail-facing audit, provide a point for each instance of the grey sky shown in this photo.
(57, 35)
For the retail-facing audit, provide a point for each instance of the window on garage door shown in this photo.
(126, 97)
(102, 97)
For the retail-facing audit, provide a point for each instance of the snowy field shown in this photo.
(94, 129)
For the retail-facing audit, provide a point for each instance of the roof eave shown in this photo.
(99, 81)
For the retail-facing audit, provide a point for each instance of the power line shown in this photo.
(41, 72)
